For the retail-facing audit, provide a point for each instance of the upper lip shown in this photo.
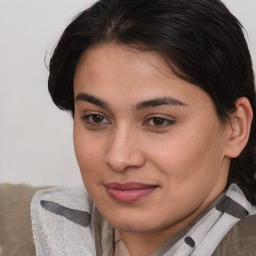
(129, 185)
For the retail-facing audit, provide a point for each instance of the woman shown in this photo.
(162, 95)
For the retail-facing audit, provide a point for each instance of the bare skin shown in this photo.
(137, 123)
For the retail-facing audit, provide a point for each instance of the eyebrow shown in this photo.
(144, 104)
(89, 98)
(158, 102)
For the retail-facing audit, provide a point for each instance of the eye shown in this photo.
(94, 119)
(159, 122)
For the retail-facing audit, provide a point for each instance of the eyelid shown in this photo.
(167, 122)
(86, 119)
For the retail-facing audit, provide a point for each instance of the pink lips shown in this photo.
(129, 192)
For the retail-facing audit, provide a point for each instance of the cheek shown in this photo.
(188, 156)
(87, 152)
(88, 160)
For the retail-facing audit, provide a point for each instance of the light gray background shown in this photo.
(35, 137)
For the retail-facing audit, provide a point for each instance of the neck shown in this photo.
(146, 243)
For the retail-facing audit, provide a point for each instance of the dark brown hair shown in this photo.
(200, 40)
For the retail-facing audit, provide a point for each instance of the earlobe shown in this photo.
(240, 123)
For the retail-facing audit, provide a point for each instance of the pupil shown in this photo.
(158, 121)
(97, 118)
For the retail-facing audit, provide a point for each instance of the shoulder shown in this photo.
(16, 232)
(61, 201)
(240, 240)
(61, 220)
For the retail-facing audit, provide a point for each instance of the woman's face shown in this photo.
(149, 145)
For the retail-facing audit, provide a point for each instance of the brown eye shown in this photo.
(158, 121)
(97, 118)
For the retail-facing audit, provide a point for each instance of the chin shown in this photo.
(128, 223)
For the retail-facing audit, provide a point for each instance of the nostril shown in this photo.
(117, 163)
(121, 161)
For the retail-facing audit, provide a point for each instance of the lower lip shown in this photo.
(131, 195)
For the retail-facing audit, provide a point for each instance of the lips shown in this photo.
(129, 192)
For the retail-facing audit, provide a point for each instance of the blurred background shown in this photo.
(36, 145)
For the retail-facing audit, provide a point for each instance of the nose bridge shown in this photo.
(123, 150)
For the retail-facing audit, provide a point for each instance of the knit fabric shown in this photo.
(62, 225)
(54, 234)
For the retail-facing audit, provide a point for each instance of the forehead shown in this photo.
(105, 64)
(114, 72)
(114, 57)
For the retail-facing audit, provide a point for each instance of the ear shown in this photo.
(240, 124)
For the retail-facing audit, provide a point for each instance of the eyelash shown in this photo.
(88, 119)
(150, 122)
(165, 122)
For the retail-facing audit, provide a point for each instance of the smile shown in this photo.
(129, 192)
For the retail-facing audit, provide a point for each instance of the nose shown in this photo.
(124, 151)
